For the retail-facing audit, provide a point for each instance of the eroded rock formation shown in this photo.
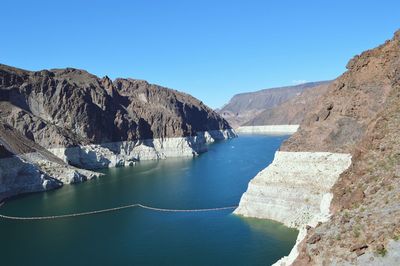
(69, 117)
(358, 115)
(264, 107)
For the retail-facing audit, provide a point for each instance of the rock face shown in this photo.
(290, 189)
(294, 190)
(253, 108)
(358, 115)
(343, 114)
(69, 117)
(69, 107)
(293, 111)
(366, 197)
(126, 153)
(28, 167)
(277, 129)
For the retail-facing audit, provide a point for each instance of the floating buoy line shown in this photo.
(135, 205)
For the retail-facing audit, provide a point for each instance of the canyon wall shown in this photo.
(264, 107)
(357, 117)
(270, 129)
(58, 124)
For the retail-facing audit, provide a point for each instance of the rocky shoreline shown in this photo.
(126, 153)
(59, 124)
(294, 190)
(268, 129)
(346, 209)
(43, 174)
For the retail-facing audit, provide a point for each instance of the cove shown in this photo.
(142, 237)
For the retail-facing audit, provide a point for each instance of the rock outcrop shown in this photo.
(366, 198)
(270, 129)
(292, 111)
(27, 167)
(258, 108)
(342, 116)
(290, 189)
(358, 115)
(69, 107)
(69, 117)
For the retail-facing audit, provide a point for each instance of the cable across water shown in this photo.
(138, 205)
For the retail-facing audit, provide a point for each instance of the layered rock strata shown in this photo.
(68, 120)
(264, 107)
(294, 190)
(27, 167)
(358, 115)
(270, 129)
(126, 153)
(292, 111)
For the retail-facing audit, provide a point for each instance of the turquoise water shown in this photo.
(142, 237)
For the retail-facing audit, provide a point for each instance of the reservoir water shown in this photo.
(142, 237)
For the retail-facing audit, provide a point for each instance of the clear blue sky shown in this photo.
(210, 49)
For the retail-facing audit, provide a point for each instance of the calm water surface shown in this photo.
(142, 237)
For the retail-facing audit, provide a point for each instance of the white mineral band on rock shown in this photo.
(294, 190)
(270, 129)
(125, 153)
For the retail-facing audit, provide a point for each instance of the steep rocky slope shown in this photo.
(27, 167)
(341, 117)
(292, 111)
(246, 106)
(365, 226)
(64, 107)
(346, 211)
(56, 119)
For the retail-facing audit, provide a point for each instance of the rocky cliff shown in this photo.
(66, 107)
(71, 117)
(254, 108)
(341, 117)
(358, 118)
(292, 111)
(365, 225)
(27, 167)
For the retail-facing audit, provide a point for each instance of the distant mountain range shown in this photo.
(263, 107)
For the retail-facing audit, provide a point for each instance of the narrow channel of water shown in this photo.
(141, 237)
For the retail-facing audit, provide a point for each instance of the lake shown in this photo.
(138, 236)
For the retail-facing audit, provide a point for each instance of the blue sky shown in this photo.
(210, 49)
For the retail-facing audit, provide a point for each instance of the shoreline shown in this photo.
(39, 173)
(126, 153)
(294, 190)
(268, 129)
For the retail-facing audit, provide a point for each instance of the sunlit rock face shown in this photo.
(56, 124)
(270, 129)
(126, 153)
(295, 188)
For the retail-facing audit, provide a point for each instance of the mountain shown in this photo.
(70, 106)
(337, 179)
(71, 118)
(292, 111)
(359, 114)
(246, 106)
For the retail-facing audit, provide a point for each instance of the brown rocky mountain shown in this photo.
(26, 166)
(341, 117)
(244, 107)
(360, 114)
(64, 107)
(293, 110)
(53, 121)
